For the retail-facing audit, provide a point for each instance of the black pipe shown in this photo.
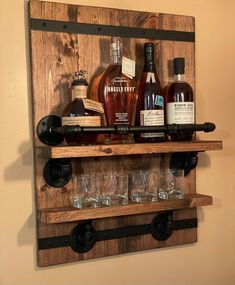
(123, 129)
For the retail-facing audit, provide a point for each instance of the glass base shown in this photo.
(85, 203)
(114, 200)
(90, 203)
(143, 197)
(171, 194)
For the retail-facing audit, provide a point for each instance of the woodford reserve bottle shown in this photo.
(81, 111)
(179, 102)
(118, 94)
(150, 107)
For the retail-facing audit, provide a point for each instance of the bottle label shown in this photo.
(121, 118)
(152, 118)
(180, 113)
(79, 91)
(93, 105)
(128, 67)
(150, 78)
(84, 121)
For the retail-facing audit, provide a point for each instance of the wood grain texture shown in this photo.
(70, 214)
(54, 58)
(132, 149)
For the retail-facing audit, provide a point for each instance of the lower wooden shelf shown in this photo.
(70, 214)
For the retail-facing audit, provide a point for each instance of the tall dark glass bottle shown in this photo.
(179, 102)
(150, 107)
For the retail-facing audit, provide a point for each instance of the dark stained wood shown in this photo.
(54, 57)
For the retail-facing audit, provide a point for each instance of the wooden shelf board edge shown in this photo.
(129, 149)
(70, 214)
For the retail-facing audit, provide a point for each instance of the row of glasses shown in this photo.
(112, 188)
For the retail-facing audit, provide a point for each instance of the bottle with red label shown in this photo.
(180, 102)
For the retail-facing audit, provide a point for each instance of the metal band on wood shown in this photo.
(107, 30)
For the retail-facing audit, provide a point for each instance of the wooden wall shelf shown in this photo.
(129, 149)
(65, 38)
(71, 214)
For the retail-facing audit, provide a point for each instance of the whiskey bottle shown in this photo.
(150, 107)
(118, 94)
(81, 111)
(179, 102)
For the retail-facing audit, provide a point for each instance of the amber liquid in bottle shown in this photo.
(78, 112)
(150, 107)
(117, 92)
(180, 105)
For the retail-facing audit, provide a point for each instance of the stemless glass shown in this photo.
(114, 189)
(144, 186)
(86, 191)
(172, 184)
(91, 190)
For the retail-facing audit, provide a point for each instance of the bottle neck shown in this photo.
(79, 92)
(149, 65)
(116, 52)
(178, 77)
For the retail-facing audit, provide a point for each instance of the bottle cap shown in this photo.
(79, 78)
(149, 57)
(179, 64)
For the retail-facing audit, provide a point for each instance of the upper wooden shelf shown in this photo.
(129, 149)
(70, 214)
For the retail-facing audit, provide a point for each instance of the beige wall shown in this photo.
(211, 260)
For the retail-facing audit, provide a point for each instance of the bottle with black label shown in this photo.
(179, 102)
(81, 111)
(150, 107)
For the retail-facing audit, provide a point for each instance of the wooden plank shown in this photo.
(132, 149)
(70, 214)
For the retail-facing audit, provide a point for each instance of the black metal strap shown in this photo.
(107, 30)
(124, 232)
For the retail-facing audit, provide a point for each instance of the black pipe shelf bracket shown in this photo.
(83, 237)
(51, 132)
(57, 172)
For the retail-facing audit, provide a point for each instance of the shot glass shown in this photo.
(172, 184)
(114, 189)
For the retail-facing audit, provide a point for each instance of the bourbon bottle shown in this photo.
(150, 107)
(179, 102)
(81, 111)
(118, 94)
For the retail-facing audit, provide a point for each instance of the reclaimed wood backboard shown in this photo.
(55, 55)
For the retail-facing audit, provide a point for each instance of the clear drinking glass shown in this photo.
(144, 186)
(114, 188)
(86, 191)
(172, 184)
